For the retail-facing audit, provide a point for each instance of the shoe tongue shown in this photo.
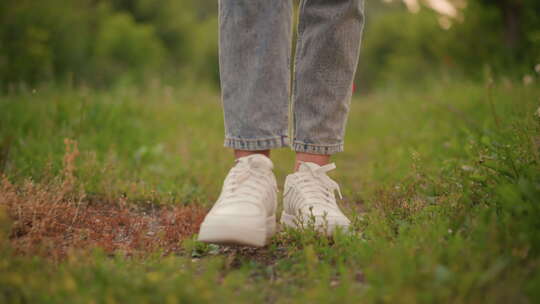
(307, 166)
(257, 161)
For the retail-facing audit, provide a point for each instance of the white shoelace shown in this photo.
(317, 187)
(246, 182)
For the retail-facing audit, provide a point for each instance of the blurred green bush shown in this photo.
(101, 42)
(122, 45)
(396, 44)
(400, 47)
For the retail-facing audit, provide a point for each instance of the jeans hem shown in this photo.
(257, 144)
(299, 146)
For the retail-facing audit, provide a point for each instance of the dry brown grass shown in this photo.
(53, 218)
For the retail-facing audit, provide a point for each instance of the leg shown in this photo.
(254, 54)
(254, 66)
(242, 153)
(329, 33)
(326, 58)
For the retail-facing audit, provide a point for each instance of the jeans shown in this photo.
(255, 38)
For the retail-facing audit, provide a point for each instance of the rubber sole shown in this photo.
(320, 225)
(230, 229)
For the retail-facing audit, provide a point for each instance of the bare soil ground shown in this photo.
(48, 225)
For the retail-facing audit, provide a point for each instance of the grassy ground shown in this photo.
(442, 184)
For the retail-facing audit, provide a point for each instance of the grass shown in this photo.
(442, 185)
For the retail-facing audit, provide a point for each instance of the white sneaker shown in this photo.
(244, 213)
(309, 199)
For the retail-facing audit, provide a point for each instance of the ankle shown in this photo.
(319, 159)
(242, 153)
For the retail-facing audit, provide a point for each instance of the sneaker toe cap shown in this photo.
(239, 209)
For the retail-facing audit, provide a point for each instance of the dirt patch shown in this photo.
(50, 222)
(53, 218)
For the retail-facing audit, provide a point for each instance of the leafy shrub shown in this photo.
(122, 47)
(397, 47)
(41, 40)
(101, 42)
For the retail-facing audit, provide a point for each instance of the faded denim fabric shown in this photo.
(255, 55)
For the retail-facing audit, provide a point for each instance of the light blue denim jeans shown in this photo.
(255, 53)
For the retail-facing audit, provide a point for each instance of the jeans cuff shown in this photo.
(257, 144)
(299, 146)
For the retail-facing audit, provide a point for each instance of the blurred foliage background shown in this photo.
(104, 42)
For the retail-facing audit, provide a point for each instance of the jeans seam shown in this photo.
(254, 144)
(300, 146)
(255, 139)
(299, 46)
